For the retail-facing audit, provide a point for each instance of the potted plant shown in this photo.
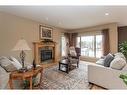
(26, 83)
(123, 48)
(124, 77)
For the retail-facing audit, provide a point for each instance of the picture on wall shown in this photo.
(45, 32)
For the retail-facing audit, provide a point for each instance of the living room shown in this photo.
(84, 27)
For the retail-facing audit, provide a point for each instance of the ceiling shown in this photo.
(71, 17)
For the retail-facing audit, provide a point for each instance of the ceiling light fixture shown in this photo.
(106, 14)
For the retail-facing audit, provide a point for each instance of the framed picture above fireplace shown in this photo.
(45, 32)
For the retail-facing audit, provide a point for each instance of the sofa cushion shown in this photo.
(118, 63)
(100, 62)
(108, 59)
(7, 64)
(119, 55)
(15, 62)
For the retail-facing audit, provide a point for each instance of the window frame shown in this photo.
(94, 45)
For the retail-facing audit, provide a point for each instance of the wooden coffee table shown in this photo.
(16, 75)
(64, 65)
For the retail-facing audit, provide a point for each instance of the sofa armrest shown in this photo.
(106, 77)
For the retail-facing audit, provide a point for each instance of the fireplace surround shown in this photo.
(44, 51)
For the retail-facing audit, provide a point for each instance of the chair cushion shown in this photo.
(118, 63)
(72, 51)
(73, 60)
(108, 59)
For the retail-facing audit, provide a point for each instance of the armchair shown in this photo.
(74, 55)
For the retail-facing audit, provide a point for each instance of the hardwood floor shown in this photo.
(96, 87)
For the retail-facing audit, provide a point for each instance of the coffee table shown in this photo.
(64, 65)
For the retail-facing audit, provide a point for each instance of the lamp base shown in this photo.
(22, 70)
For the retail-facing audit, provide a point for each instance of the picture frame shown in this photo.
(45, 32)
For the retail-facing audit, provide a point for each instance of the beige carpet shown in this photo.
(55, 79)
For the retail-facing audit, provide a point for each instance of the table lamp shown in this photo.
(22, 46)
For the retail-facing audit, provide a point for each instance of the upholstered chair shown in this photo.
(74, 55)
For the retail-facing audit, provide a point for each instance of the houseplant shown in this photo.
(124, 77)
(123, 48)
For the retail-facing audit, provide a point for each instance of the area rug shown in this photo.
(75, 79)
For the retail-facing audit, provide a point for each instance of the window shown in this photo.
(78, 42)
(91, 46)
(63, 46)
(98, 46)
(87, 46)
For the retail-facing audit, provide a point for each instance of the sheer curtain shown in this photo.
(105, 41)
(71, 38)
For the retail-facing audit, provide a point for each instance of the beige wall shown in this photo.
(12, 28)
(113, 35)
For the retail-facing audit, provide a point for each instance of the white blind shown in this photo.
(90, 33)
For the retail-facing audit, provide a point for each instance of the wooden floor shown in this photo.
(95, 87)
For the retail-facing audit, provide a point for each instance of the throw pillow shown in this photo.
(72, 51)
(118, 63)
(15, 62)
(119, 55)
(100, 62)
(108, 59)
(6, 64)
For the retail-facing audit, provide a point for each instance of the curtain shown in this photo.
(105, 41)
(71, 38)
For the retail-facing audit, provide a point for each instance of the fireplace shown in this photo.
(45, 55)
(44, 52)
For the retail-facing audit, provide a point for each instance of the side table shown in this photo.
(25, 76)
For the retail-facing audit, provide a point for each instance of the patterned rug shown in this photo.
(55, 79)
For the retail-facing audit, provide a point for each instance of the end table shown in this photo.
(28, 75)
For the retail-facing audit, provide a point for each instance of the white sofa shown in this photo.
(106, 77)
(4, 77)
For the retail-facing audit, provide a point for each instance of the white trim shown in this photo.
(90, 33)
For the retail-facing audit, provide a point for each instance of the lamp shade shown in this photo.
(21, 45)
